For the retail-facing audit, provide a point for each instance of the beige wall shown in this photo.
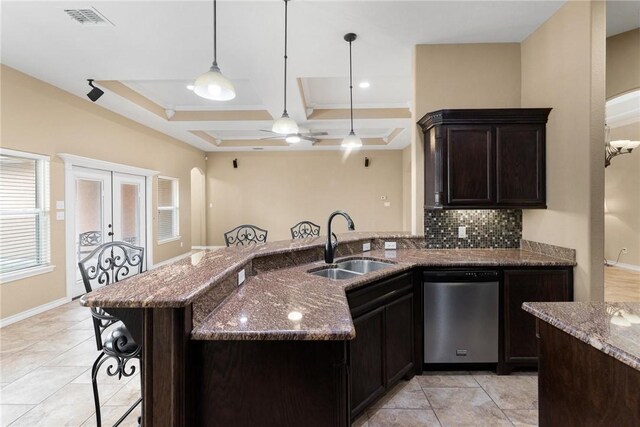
(623, 63)
(622, 195)
(563, 67)
(39, 118)
(198, 212)
(406, 188)
(275, 190)
(483, 75)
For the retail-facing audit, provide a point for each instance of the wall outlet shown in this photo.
(181, 244)
(389, 245)
(59, 204)
(366, 247)
(240, 277)
(387, 204)
(462, 232)
(60, 216)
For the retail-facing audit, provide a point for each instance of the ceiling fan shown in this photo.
(293, 138)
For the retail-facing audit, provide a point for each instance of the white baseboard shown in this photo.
(633, 267)
(33, 311)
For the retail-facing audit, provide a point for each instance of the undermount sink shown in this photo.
(352, 268)
(336, 274)
(363, 266)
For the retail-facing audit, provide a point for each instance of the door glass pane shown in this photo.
(89, 220)
(130, 214)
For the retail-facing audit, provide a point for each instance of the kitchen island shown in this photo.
(215, 347)
(589, 370)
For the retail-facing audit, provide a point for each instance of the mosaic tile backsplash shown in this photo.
(485, 228)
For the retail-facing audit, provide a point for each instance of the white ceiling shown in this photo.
(622, 16)
(158, 47)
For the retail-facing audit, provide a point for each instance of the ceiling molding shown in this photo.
(253, 143)
(131, 95)
(204, 135)
(392, 135)
(338, 141)
(360, 113)
(307, 111)
(221, 116)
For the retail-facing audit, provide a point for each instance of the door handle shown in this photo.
(110, 233)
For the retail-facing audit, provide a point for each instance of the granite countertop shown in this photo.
(292, 304)
(613, 328)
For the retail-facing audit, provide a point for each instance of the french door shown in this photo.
(107, 206)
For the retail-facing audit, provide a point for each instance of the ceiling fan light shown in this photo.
(351, 141)
(285, 125)
(213, 85)
(292, 139)
(620, 144)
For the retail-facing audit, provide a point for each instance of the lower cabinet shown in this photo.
(520, 345)
(383, 351)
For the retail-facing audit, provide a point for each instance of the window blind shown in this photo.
(24, 213)
(167, 208)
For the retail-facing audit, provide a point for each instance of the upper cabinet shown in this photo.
(485, 159)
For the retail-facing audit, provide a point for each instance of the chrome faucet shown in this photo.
(331, 245)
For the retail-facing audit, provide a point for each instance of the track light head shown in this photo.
(95, 93)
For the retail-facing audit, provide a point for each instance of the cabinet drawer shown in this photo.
(371, 296)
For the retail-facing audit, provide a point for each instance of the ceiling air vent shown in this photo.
(88, 16)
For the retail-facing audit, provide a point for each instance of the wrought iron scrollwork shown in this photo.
(305, 229)
(245, 235)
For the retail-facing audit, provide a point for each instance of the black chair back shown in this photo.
(305, 229)
(245, 235)
(107, 264)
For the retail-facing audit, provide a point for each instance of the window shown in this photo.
(24, 214)
(167, 209)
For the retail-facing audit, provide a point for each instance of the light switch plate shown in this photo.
(240, 277)
(59, 204)
(387, 204)
(366, 247)
(462, 232)
(389, 245)
(60, 216)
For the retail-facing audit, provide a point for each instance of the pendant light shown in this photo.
(351, 140)
(285, 125)
(212, 84)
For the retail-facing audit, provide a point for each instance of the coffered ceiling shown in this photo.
(149, 52)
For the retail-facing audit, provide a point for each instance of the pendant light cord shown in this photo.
(215, 56)
(285, 56)
(351, 85)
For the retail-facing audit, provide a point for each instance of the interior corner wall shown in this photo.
(40, 118)
(623, 63)
(563, 67)
(406, 188)
(275, 190)
(483, 75)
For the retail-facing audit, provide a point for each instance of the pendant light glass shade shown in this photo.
(213, 85)
(285, 125)
(351, 141)
(293, 139)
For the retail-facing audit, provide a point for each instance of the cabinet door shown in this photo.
(367, 360)
(470, 166)
(520, 159)
(399, 338)
(520, 344)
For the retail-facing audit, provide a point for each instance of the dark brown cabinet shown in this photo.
(486, 158)
(520, 347)
(383, 351)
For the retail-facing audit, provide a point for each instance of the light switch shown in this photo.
(60, 215)
(59, 204)
(366, 247)
(387, 204)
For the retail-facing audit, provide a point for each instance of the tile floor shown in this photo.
(45, 365)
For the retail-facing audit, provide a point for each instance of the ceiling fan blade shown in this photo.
(265, 130)
(309, 138)
(316, 133)
(272, 137)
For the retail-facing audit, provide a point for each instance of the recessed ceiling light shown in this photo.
(364, 85)
(190, 87)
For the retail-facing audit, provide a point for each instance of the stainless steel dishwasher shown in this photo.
(461, 316)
